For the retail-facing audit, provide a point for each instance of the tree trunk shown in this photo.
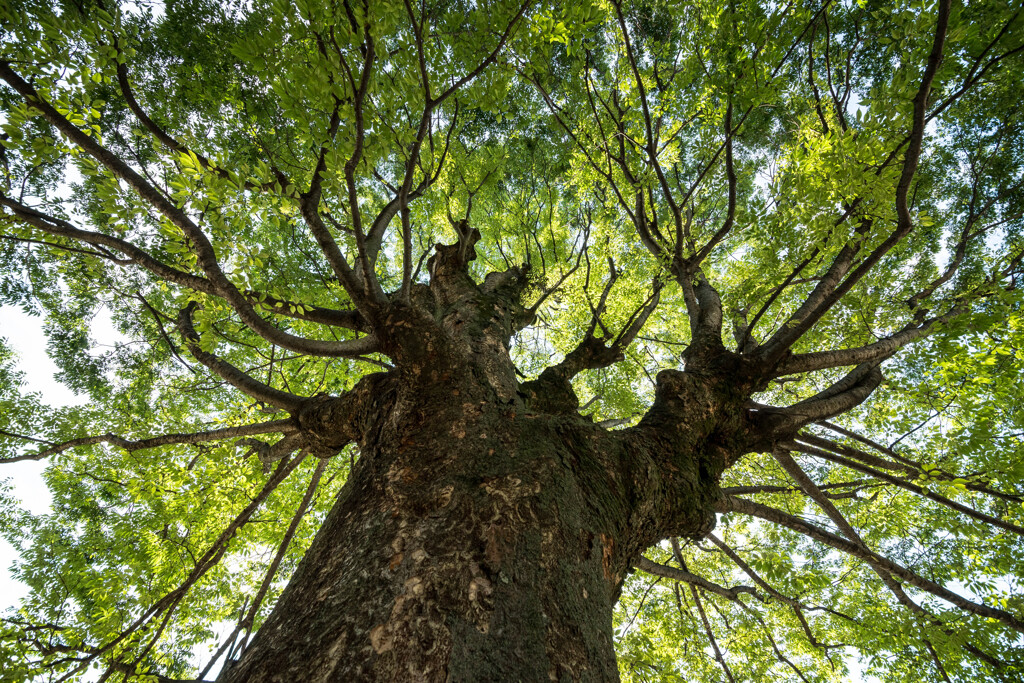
(487, 527)
(473, 542)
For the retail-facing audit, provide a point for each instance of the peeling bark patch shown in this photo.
(480, 589)
(444, 497)
(395, 561)
(607, 555)
(378, 639)
(479, 586)
(493, 548)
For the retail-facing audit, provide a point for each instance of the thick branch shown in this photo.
(706, 320)
(350, 320)
(871, 353)
(844, 395)
(238, 379)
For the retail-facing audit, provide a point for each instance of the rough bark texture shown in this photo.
(486, 529)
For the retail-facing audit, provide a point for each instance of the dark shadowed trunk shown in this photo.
(476, 542)
(486, 529)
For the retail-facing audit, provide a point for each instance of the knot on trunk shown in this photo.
(549, 393)
(329, 423)
(449, 259)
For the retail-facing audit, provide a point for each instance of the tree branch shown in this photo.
(200, 243)
(667, 572)
(769, 514)
(840, 397)
(238, 379)
(902, 483)
(165, 138)
(282, 426)
(828, 292)
(53, 225)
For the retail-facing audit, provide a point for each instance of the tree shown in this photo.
(453, 325)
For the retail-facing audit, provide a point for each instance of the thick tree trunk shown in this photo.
(472, 543)
(486, 529)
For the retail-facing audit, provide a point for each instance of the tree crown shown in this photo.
(277, 201)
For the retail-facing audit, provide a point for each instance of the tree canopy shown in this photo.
(831, 190)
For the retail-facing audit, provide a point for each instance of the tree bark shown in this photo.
(485, 531)
(476, 541)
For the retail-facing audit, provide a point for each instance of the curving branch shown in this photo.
(732, 594)
(908, 467)
(366, 290)
(281, 426)
(169, 602)
(56, 226)
(921, 327)
(774, 593)
(510, 28)
(350, 320)
(730, 174)
(237, 378)
(99, 253)
(898, 463)
(53, 225)
(840, 397)
(801, 526)
(719, 657)
(978, 70)
(651, 137)
(874, 353)
(200, 242)
(375, 235)
(271, 453)
(629, 208)
(134, 255)
(172, 143)
(596, 352)
(798, 607)
(371, 243)
(854, 487)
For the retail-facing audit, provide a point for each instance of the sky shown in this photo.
(24, 333)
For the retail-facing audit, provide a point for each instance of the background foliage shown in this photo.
(597, 142)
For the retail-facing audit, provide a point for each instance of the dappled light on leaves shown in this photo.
(516, 340)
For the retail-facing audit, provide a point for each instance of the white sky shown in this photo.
(24, 333)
